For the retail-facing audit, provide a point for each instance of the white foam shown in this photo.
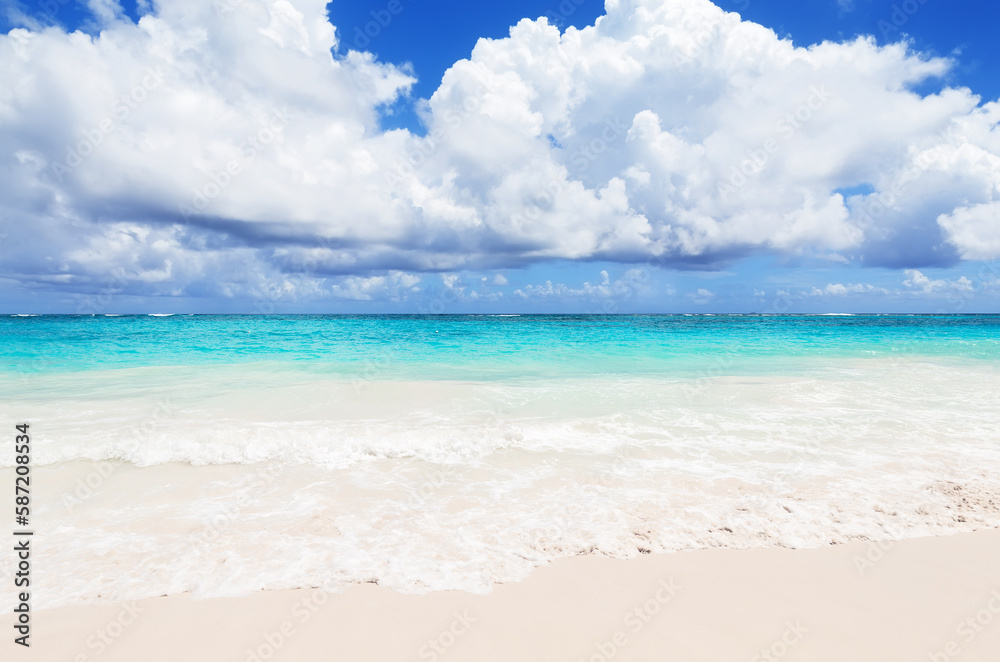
(455, 485)
(416, 526)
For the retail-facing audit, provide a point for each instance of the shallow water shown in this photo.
(222, 455)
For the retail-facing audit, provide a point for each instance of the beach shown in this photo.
(919, 600)
(653, 330)
(194, 479)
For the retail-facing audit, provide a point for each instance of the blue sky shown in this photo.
(594, 171)
(432, 36)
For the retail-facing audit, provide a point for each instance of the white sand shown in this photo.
(918, 600)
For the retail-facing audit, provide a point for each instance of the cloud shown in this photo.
(546, 290)
(845, 6)
(221, 150)
(634, 282)
(395, 286)
(840, 290)
(919, 283)
(107, 12)
(702, 296)
(975, 231)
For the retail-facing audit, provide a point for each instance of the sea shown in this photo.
(222, 455)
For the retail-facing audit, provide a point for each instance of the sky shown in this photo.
(398, 156)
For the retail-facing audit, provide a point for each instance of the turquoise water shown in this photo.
(187, 453)
(486, 347)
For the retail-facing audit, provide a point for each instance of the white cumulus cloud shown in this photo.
(918, 282)
(840, 290)
(218, 149)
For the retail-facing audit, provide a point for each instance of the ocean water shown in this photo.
(223, 455)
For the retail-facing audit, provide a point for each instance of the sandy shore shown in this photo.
(917, 600)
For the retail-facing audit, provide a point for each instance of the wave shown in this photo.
(419, 527)
(199, 478)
